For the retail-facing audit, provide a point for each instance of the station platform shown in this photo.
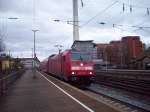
(47, 94)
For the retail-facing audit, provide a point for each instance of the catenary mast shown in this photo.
(75, 21)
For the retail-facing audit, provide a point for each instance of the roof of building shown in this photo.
(5, 57)
(24, 59)
(131, 37)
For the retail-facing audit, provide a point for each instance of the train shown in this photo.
(72, 66)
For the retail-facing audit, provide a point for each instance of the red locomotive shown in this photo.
(72, 66)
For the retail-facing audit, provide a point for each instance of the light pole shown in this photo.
(32, 57)
(34, 48)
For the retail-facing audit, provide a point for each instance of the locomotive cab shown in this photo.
(81, 67)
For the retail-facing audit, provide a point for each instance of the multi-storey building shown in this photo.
(120, 53)
(110, 53)
(142, 61)
(131, 48)
(101, 51)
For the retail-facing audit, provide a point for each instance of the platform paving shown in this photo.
(30, 94)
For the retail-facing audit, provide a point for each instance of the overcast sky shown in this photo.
(18, 35)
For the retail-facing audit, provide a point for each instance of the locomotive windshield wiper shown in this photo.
(81, 58)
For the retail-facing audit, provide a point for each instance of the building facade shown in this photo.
(120, 53)
(142, 61)
(131, 48)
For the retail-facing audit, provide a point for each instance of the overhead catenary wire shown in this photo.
(103, 11)
(99, 13)
(145, 30)
(82, 4)
(120, 25)
(129, 4)
(66, 21)
(123, 8)
(130, 8)
(139, 25)
(147, 11)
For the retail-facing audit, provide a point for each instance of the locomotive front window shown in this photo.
(81, 56)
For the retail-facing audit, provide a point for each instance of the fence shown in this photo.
(6, 81)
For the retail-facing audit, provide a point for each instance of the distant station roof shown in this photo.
(24, 59)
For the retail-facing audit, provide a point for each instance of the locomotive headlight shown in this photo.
(73, 73)
(81, 64)
(91, 73)
(75, 68)
(89, 68)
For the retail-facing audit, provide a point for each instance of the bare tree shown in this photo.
(3, 29)
(2, 45)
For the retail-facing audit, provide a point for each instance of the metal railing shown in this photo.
(8, 80)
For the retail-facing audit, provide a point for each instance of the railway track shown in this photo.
(125, 104)
(134, 81)
(128, 85)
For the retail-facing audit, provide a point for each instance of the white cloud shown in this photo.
(19, 37)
